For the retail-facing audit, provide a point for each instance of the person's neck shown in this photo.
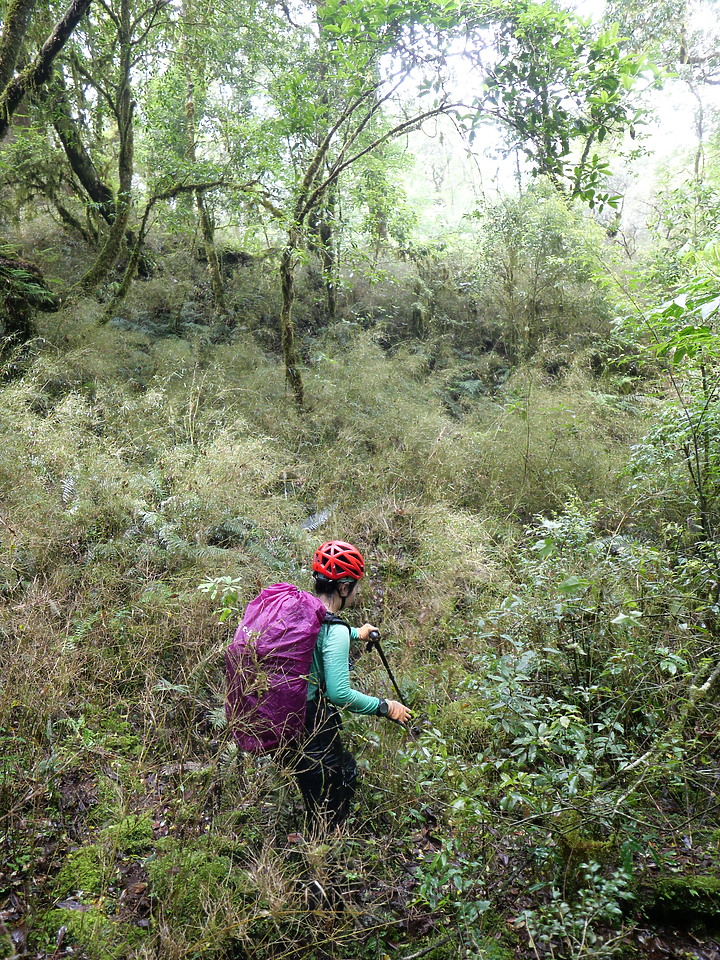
(332, 603)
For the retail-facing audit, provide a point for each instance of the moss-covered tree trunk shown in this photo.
(100, 194)
(81, 162)
(124, 110)
(322, 243)
(287, 325)
(37, 73)
(14, 29)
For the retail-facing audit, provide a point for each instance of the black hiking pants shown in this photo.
(325, 771)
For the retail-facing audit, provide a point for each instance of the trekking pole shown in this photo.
(374, 641)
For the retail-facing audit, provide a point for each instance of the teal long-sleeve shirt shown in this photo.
(330, 670)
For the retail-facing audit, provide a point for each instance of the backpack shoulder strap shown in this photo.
(331, 618)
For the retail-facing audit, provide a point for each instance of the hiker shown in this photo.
(325, 771)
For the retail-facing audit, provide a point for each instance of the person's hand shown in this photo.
(365, 630)
(398, 711)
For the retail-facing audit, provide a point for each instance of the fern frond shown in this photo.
(17, 281)
(69, 490)
(170, 539)
(262, 553)
(217, 718)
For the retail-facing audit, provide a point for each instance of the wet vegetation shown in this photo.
(212, 365)
(538, 566)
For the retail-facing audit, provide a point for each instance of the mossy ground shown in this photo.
(91, 932)
(690, 899)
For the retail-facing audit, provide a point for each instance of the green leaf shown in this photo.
(545, 547)
(572, 586)
(631, 619)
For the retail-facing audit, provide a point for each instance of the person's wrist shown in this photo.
(382, 709)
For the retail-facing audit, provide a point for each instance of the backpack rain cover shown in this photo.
(267, 666)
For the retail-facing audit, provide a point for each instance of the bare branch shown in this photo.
(376, 106)
(397, 131)
(302, 209)
(110, 12)
(155, 10)
(99, 87)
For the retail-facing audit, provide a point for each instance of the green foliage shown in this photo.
(543, 635)
(578, 930)
(450, 882)
(165, 144)
(683, 444)
(555, 83)
(376, 188)
(226, 590)
(688, 208)
(657, 27)
(680, 36)
(538, 263)
(31, 168)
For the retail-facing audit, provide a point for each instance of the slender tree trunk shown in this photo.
(131, 269)
(124, 112)
(70, 220)
(208, 234)
(328, 253)
(287, 327)
(206, 226)
(137, 248)
(513, 320)
(327, 208)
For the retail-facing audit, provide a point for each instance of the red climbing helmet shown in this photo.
(337, 560)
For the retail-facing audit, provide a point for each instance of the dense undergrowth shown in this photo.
(551, 620)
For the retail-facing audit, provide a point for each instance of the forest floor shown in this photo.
(545, 603)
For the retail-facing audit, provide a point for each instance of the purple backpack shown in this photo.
(267, 666)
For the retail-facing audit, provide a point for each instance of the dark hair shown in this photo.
(327, 586)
